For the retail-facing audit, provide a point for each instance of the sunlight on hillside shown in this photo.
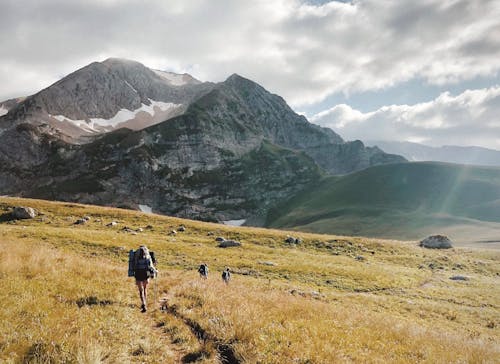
(67, 298)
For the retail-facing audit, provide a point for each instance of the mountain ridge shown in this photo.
(473, 155)
(231, 153)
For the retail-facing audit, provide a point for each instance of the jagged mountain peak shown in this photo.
(103, 96)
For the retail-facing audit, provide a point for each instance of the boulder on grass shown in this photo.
(229, 243)
(21, 212)
(436, 242)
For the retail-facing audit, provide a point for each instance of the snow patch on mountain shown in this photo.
(3, 110)
(146, 209)
(97, 124)
(174, 79)
(234, 222)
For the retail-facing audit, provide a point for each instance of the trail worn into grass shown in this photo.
(225, 351)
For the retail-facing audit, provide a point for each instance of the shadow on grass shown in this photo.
(6, 217)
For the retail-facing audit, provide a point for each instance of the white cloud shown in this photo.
(471, 118)
(300, 51)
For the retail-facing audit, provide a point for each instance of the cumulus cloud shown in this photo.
(301, 50)
(471, 118)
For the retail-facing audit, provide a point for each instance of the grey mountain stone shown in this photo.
(229, 244)
(436, 242)
(21, 212)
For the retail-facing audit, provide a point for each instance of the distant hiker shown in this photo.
(141, 262)
(226, 275)
(203, 270)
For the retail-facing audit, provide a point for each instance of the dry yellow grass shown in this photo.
(66, 297)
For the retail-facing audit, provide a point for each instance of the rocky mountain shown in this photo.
(230, 151)
(105, 96)
(447, 153)
(6, 105)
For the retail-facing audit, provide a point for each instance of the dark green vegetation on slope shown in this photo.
(402, 201)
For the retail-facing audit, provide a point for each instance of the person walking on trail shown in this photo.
(143, 270)
(226, 275)
(203, 270)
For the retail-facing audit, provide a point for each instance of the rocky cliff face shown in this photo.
(232, 153)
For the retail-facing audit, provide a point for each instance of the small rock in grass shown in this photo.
(459, 278)
(271, 264)
(219, 238)
(172, 232)
(182, 228)
(436, 242)
(229, 244)
(80, 222)
(112, 223)
(292, 240)
(360, 258)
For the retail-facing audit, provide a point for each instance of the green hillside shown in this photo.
(403, 201)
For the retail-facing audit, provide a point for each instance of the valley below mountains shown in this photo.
(120, 134)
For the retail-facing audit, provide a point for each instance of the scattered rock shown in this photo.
(219, 238)
(112, 223)
(80, 222)
(360, 257)
(149, 227)
(459, 278)
(271, 264)
(210, 233)
(292, 240)
(229, 243)
(140, 230)
(126, 229)
(21, 212)
(436, 242)
(86, 218)
(182, 228)
(172, 232)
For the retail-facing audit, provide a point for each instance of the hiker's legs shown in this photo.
(142, 295)
(145, 285)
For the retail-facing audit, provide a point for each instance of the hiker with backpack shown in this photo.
(141, 266)
(226, 275)
(203, 270)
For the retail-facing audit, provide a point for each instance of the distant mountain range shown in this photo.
(118, 133)
(400, 201)
(448, 153)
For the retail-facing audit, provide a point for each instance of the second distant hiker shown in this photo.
(226, 275)
(203, 270)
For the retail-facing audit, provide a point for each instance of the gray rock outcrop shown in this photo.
(21, 212)
(436, 242)
(229, 244)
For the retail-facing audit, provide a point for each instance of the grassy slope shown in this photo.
(315, 303)
(404, 201)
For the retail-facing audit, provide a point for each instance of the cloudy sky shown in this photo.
(425, 71)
